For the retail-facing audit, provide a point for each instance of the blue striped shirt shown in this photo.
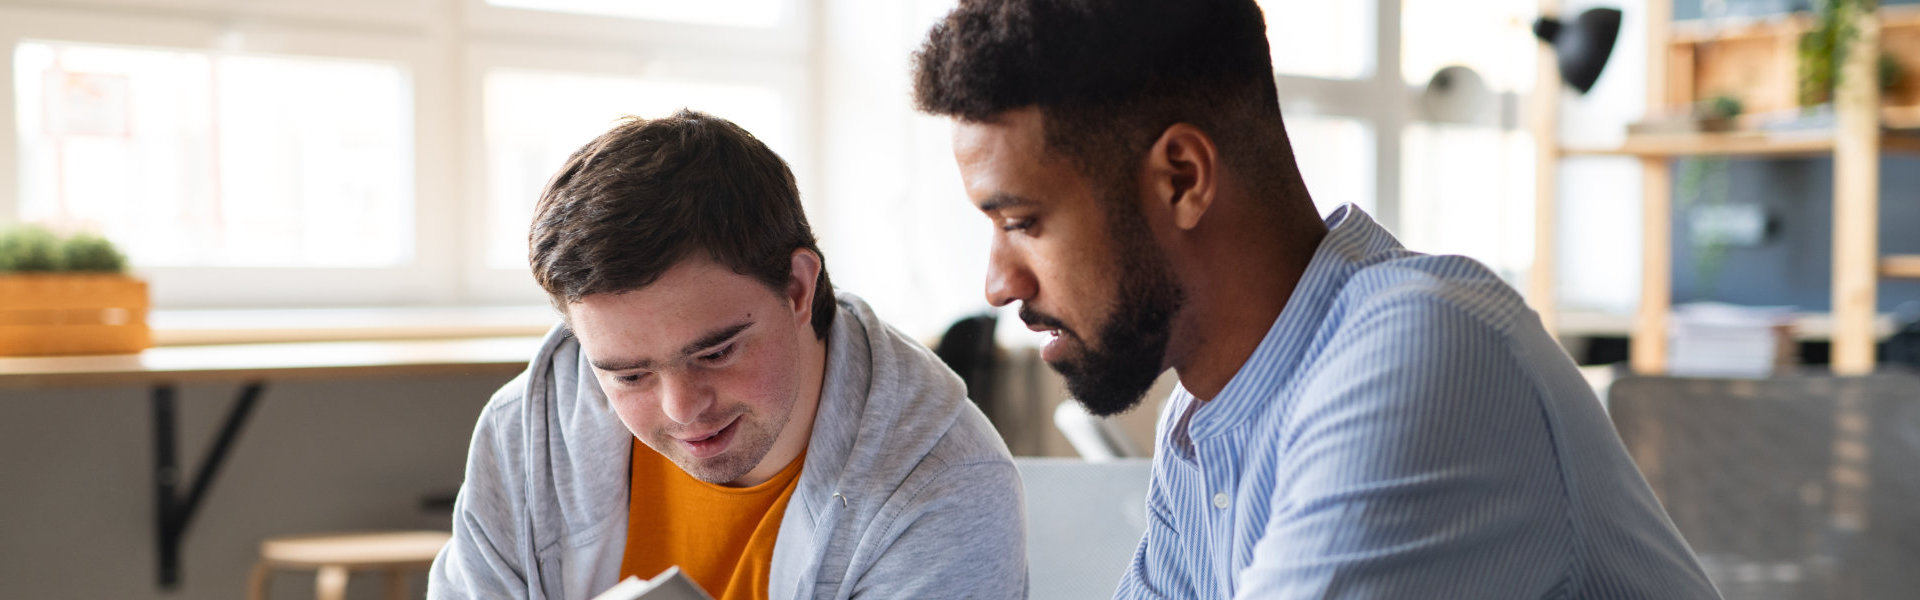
(1406, 429)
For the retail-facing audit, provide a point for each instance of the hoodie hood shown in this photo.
(895, 445)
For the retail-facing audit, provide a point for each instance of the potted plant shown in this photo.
(68, 295)
(1824, 47)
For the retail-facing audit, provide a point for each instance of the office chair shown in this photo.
(968, 349)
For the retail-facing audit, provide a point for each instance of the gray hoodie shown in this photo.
(907, 491)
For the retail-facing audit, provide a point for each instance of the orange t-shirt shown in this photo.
(720, 536)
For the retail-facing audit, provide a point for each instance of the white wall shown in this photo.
(76, 494)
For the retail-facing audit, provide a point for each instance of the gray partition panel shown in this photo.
(1787, 488)
(1084, 520)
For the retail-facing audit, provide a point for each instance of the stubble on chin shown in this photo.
(751, 444)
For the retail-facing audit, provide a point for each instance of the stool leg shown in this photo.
(331, 583)
(396, 584)
(257, 582)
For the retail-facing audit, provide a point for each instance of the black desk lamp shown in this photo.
(1582, 48)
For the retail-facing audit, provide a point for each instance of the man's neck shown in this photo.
(1233, 299)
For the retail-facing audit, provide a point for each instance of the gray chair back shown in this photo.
(1789, 487)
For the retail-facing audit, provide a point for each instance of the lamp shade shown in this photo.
(1582, 47)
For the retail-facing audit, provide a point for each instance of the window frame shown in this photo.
(1385, 103)
(444, 48)
(489, 284)
(424, 278)
(791, 35)
(447, 46)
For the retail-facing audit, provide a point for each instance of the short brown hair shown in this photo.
(634, 202)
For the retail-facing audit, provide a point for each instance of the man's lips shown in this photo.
(710, 443)
(695, 437)
(1039, 322)
(1055, 349)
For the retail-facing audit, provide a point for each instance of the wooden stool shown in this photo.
(333, 556)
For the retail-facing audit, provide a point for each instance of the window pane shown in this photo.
(1492, 37)
(535, 119)
(1336, 159)
(1469, 190)
(201, 159)
(1320, 39)
(737, 13)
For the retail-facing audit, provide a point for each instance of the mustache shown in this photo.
(1033, 317)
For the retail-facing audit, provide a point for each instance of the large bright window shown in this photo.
(191, 158)
(1348, 75)
(746, 13)
(536, 119)
(1320, 39)
(277, 153)
(1493, 37)
(1469, 190)
(1336, 158)
(369, 152)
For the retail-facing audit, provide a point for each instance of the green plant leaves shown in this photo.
(1824, 48)
(34, 249)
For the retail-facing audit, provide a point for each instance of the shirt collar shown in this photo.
(1353, 241)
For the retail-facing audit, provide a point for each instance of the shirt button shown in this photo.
(1220, 500)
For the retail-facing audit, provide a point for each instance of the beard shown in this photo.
(1112, 374)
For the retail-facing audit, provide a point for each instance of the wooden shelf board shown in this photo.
(499, 357)
(1701, 31)
(1735, 144)
(1900, 266)
(259, 326)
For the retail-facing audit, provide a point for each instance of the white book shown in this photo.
(670, 584)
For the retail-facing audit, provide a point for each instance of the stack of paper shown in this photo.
(1711, 339)
(671, 584)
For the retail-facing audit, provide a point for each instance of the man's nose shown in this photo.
(684, 399)
(1008, 278)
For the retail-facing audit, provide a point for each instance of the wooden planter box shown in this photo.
(64, 313)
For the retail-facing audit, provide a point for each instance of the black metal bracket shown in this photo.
(172, 512)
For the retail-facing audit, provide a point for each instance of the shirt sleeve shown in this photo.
(482, 559)
(960, 535)
(1417, 462)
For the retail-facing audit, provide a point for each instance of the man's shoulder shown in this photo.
(913, 415)
(971, 440)
(1415, 288)
(552, 402)
(549, 369)
(1426, 321)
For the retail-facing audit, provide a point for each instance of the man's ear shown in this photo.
(1182, 172)
(803, 277)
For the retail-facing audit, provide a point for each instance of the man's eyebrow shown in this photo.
(1002, 200)
(642, 364)
(713, 339)
(706, 341)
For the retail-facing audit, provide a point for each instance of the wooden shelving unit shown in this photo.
(1748, 144)
(1754, 61)
(1900, 266)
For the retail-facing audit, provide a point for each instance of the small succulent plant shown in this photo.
(89, 252)
(35, 249)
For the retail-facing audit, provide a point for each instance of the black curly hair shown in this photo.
(1109, 76)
